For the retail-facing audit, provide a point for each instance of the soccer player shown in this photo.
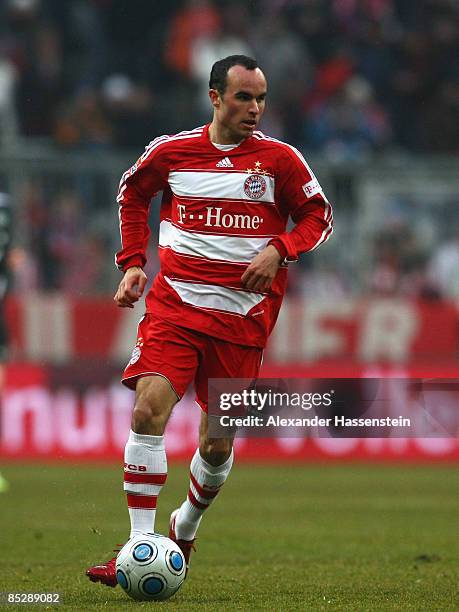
(228, 193)
(5, 235)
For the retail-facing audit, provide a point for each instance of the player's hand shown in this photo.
(262, 269)
(131, 287)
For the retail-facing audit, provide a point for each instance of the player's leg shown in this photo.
(212, 461)
(145, 463)
(163, 364)
(209, 469)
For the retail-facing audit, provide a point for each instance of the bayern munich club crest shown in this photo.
(135, 356)
(255, 186)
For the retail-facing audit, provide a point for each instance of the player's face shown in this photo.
(239, 110)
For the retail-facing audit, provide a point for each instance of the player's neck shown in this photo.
(218, 134)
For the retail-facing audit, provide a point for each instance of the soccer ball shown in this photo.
(150, 567)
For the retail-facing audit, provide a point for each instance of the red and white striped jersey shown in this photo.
(219, 209)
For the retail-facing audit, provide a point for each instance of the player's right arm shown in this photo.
(131, 287)
(137, 187)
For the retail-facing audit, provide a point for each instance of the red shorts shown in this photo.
(183, 355)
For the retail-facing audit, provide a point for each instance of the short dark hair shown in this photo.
(220, 69)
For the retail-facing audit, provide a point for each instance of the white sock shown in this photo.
(145, 472)
(205, 482)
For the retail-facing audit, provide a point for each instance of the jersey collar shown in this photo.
(210, 145)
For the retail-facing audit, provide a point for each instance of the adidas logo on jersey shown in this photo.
(225, 163)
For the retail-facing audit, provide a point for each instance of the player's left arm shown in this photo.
(302, 197)
(262, 270)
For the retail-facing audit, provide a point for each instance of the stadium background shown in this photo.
(369, 91)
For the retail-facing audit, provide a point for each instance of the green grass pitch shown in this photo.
(278, 538)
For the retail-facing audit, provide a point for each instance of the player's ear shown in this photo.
(214, 98)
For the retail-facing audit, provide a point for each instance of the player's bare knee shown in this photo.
(146, 419)
(153, 405)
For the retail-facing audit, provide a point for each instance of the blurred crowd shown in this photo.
(346, 77)
(348, 80)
